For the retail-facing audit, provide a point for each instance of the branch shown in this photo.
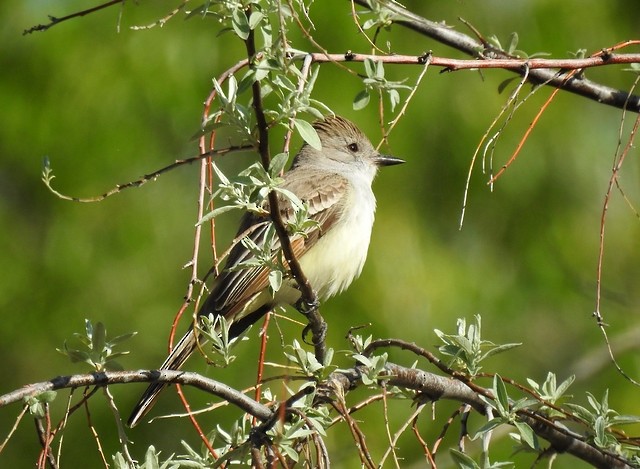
(316, 322)
(48, 176)
(429, 386)
(459, 41)
(54, 20)
(142, 376)
(435, 387)
(452, 65)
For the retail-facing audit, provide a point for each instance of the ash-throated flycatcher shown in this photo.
(335, 183)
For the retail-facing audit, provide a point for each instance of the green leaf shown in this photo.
(215, 212)
(240, 24)
(94, 348)
(369, 24)
(232, 86)
(370, 68)
(88, 327)
(564, 385)
(328, 357)
(625, 419)
(500, 390)
(499, 349)
(361, 100)
(362, 359)
(490, 425)
(513, 42)
(308, 133)
(47, 396)
(99, 337)
(394, 97)
(634, 67)
(255, 19)
(582, 413)
(600, 439)
(462, 460)
(277, 164)
(247, 81)
(379, 70)
(119, 462)
(275, 280)
(37, 403)
(527, 434)
(77, 356)
(151, 460)
(121, 338)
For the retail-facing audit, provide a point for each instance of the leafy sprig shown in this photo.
(94, 348)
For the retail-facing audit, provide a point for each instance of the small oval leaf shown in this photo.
(308, 133)
(361, 100)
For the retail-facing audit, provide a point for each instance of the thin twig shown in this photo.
(25, 408)
(47, 176)
(443, 433)
(358, 436)
(430, 457)
(95, 435)
(44, 434)
(530, 128)
(302, 80)
(354, 15)
(403, 109)
(605, 207)
(122, 434)
(63, 424)
(162, 21)
(391, 449)
(393, 441)
(508, 105)
(261, 358)
(54, 20)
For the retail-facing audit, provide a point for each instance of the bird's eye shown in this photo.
(353, 147)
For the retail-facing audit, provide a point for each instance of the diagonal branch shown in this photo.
(48, 176)
(464, 43)
(316, 322)
(53, 20)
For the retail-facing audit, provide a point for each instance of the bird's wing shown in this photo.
(324, 196)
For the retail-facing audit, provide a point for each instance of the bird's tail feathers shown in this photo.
(174, 361)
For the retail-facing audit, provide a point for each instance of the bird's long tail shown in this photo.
(174, 361)
(181, 353)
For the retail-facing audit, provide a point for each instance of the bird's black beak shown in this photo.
(387, 160)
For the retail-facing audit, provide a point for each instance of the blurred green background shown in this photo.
(107, 107)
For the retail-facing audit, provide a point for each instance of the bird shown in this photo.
(334, 181)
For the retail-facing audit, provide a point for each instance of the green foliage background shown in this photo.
(107, 107)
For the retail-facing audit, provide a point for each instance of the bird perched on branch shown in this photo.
(335, 184)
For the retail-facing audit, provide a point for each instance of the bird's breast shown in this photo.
(338, 256)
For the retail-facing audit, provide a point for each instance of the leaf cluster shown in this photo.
(466, 349)
(94, 349)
